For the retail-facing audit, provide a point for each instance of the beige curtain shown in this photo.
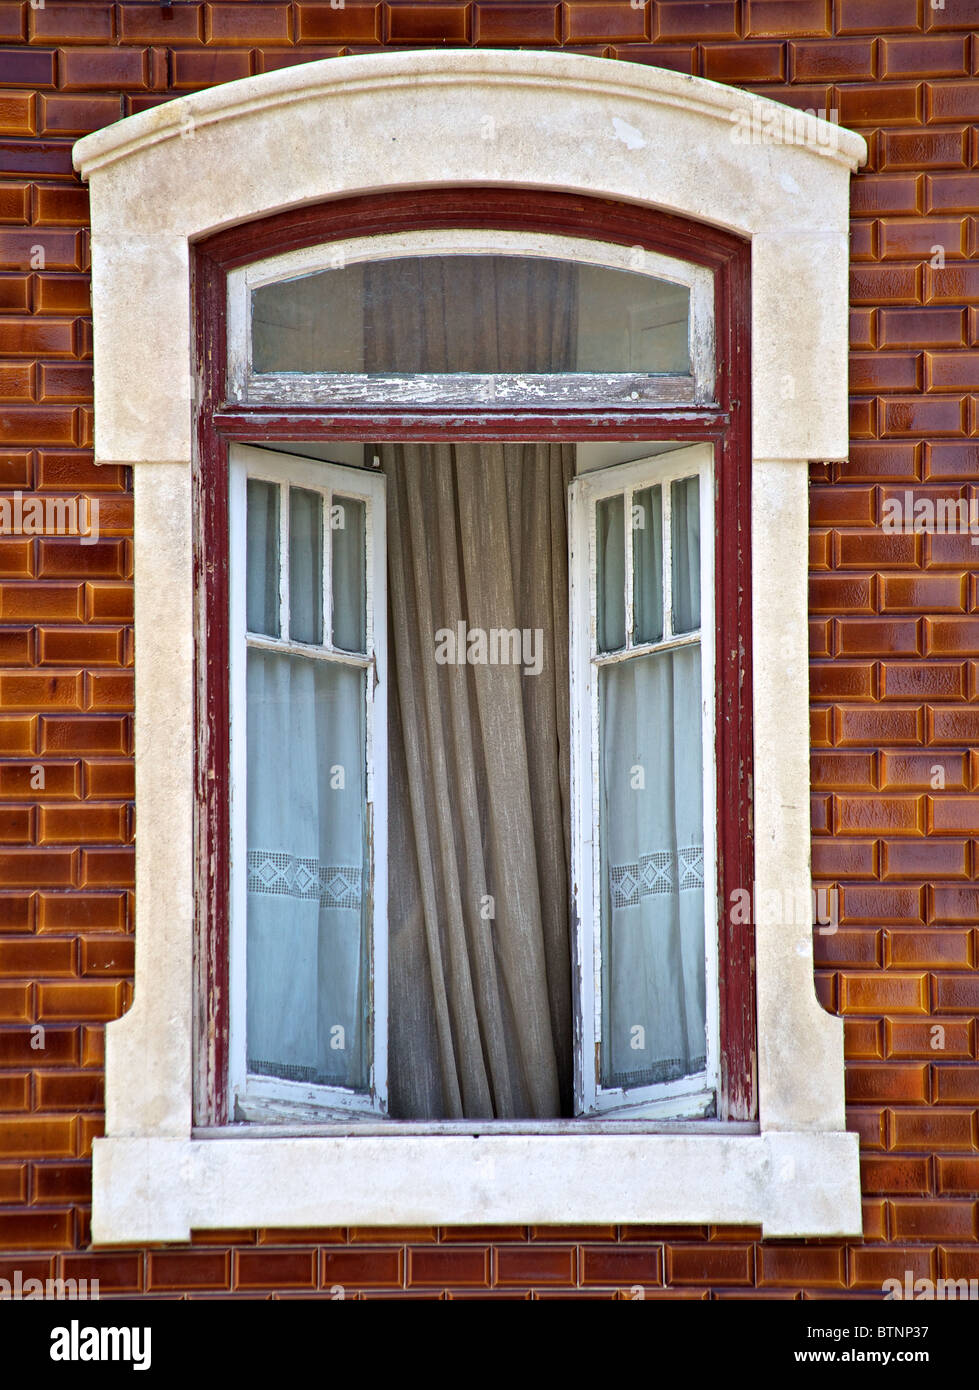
(480, 955)
(470, 314)
(478, 864)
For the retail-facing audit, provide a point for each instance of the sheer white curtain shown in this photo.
(651, 799)
(653, 871)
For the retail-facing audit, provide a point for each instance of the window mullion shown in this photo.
(667, 505)
(328, 568)
(628, 580)
(284, 595)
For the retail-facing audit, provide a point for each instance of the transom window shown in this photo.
(428, 319)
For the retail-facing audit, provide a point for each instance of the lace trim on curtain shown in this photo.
(663, 871)
(275, 872)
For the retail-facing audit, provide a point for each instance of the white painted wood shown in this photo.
(285, 470)
(307, 1122)
(667, 505)
(694, 1104)
(629, 578)
(285, 615)
(325, 652)
(473, 241)
(713, 902)
(583, 624)
(686, 639)
(471, 388)
(326, 577)
(688, 1094)
(281, 1096)
(238, 781)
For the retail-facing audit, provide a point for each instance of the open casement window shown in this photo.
(272, 315)
(486, 713)
(643, 786)
(309, 785)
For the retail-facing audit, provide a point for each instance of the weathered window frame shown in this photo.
(265, 1100)
(163, 182)
(604, 230)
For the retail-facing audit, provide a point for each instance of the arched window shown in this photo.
(471, 647)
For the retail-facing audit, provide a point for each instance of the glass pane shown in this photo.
(307, 932)
(685, 502)
(262, 585)
(647, 562)
(348, 527)
(472, 314)
(305, 565)
(610, 537)
(652, 848)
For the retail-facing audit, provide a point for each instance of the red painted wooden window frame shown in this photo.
(725, 424)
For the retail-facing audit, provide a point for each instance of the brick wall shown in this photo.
(895, 634)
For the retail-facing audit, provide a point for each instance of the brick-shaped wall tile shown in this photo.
(68, 25)
(696, 19)
(538, 25)
(408, 22)
(787, 18)
(458, 1266)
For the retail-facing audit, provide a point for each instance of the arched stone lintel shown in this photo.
(167, 177)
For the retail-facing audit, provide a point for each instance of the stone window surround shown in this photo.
(615, 130)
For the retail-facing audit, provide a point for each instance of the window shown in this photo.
(311, 823)
(309, 753)
(475, 841)
(173, 223)
(634, 325)
(643, 786)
